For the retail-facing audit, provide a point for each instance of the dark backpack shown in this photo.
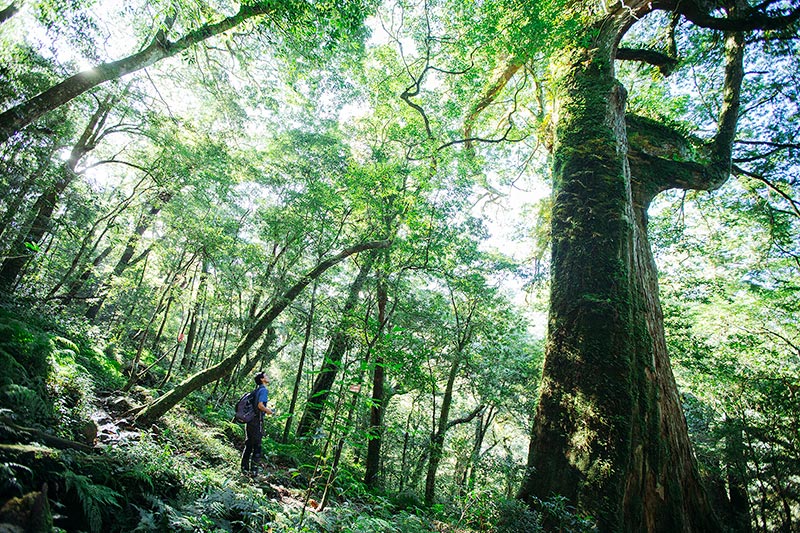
(246, 408)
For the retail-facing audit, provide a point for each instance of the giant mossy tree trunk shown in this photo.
(610, 434)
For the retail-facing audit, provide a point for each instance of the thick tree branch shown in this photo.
(665, 156)
(469, 140)
(19, 116)
(464, 419)
(9, 11)
(754, 19)
(413, 90)
(779, 146)
(488, 97)
(757, 157)
(665, 63)
(416, 81)
(34, 435)
(671, 174)
(504, 76)
(786, 340)
(792, 202)
(776, 148)
(731, 101)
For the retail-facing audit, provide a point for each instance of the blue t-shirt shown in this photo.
(262, 395)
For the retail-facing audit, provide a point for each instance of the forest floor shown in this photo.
(68, 473)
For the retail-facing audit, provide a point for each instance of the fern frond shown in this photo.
(96, 500)
(66, 343)
(23, 401)
(13, 370)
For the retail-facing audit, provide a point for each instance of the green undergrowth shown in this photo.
(182, 473)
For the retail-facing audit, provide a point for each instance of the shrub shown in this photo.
(563, 517)
(97, 501)
(514, 516)
(490, 511)
(71, 391)
(24, 360)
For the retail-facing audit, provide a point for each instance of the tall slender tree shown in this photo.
(377, 406)
(337, 346)
(48, 201)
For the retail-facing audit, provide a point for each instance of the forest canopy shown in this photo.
(510, 266)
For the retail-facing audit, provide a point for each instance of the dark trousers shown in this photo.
(251, 455)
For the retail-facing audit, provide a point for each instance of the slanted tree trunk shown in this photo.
(438, 433)
(263, 357)
(728, 487)
(16, 197)
(482, 425)
(609, 433)
(194, 320)
(77, 284)
(156, 409)
(463, 336)
(436, 449)
(9, 11)
(126, 258)
(108, 221)
(166, 294)
(19, 116)
(77, 258)
(46, 203)
(337, 347)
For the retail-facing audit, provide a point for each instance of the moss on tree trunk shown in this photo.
(609, 431)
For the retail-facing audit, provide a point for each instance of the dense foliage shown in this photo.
(351, 196)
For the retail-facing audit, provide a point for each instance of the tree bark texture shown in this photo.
(609, 430)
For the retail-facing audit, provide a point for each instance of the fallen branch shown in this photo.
(36, 435)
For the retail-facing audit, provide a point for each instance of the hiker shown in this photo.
(251, 456)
